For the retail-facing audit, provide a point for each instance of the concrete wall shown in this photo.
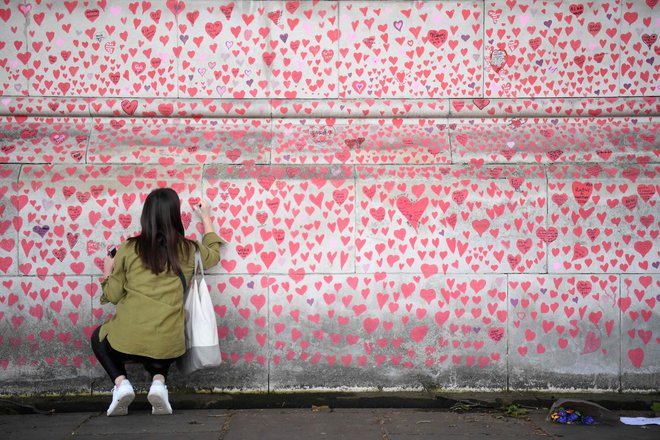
(452, 194)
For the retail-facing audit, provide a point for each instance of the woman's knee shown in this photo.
(95, 339)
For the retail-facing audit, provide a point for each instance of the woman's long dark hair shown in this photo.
(162, 235)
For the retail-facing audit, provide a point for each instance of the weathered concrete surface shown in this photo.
(274, 424)
(427, 196)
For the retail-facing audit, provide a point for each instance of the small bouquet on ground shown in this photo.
(570, 416)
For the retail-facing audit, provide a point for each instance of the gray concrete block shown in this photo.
(451, 219)
(507, 77)
(43, 139)
(174, 141)
(273, 53)
(388, 331)
(564, 332)
(361, 141)
(10, 224)
(602, 218)
(419, 61)
(241, 307)
(552, 140)
(284, 219)
(74, 214)
(84, 58)
(640, 332)
(45, 325)
(16, 66)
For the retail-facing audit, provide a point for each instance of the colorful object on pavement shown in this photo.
(570, 417)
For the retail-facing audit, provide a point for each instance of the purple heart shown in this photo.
(184, 38)
(465, 37)
(398, 25)
(250, 285)
(41, 230)
(548, 23)
(284, 37)
(514, 302)
(310, 301)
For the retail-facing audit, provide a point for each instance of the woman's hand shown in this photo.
(108, 265)
(203, 210)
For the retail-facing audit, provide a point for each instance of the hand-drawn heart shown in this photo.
(649, 39)
(412, 211)
(129, 106)
(498, 59)
(636, 356)
(592, 343)
(438, 38)
(582, 192)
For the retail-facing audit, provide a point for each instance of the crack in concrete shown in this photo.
(226, 425)
(73, 433)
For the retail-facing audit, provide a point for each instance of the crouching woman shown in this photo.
(145, 282)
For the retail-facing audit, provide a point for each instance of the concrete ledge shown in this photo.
(430, 400)
(477, 107)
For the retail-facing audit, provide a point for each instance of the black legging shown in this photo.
(113, 361)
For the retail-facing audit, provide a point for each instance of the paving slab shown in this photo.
(37, 426)
(425, 424)
(305, 424)
(141, 422)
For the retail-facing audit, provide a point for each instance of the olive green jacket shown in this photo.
(149, 318)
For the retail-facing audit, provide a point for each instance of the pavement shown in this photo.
(465, 419)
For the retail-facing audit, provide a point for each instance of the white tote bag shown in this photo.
(202, 346)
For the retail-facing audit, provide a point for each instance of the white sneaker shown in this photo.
(122, 396)
(158, 397)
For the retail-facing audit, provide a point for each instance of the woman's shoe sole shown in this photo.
(122, 406)
(159, 406)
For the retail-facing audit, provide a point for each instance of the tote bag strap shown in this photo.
(198, 263)
(183, 282)
(199, 267)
